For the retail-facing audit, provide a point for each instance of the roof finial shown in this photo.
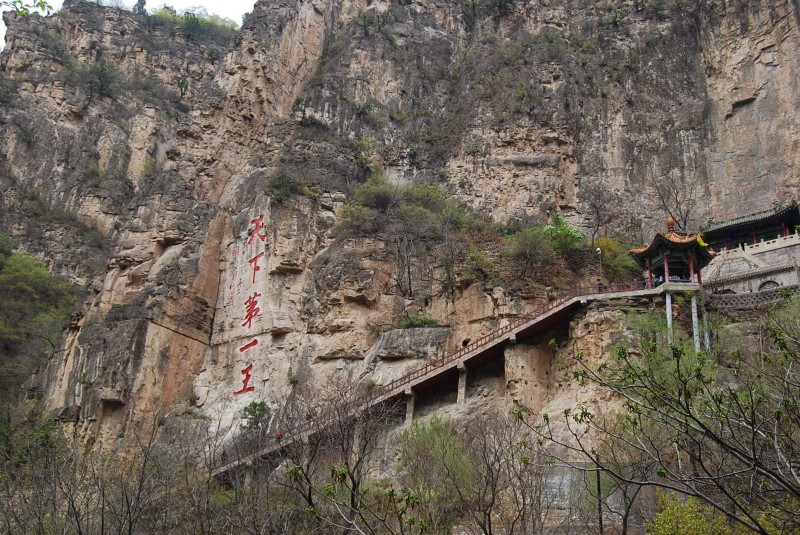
(670, 224)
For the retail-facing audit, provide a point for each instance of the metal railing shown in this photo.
(501, 332)
(749, 301)
(383, 392)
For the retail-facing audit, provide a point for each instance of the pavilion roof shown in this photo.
(673, 241)
(775, 214)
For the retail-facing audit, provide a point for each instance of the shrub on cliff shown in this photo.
(286, 183)
(531, 248)
(416, 321)
(420, 212)
(618, 264)
(7, 90)
(197, 25)
(564, 238)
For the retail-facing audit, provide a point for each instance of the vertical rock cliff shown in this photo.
(146, 164)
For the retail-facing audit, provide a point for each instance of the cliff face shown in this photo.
(137, 159)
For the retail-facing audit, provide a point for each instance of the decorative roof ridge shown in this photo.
(768, 270)
(670, 236)
(777, 209)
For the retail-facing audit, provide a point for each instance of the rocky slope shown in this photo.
(146, 164)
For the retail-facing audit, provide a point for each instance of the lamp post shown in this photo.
(600, 275)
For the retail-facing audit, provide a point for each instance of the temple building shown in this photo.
(755, 252)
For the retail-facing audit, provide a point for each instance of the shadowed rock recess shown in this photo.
(192, 184)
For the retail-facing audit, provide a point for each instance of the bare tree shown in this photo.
(602, 203)
(490, 479)
(678, 194)
(329, 436)
(721, 428)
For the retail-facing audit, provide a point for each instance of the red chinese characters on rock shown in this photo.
(245, 381)
(252, 309)
(254, 262)
(247, 346)
(257, 231)
(246, 372)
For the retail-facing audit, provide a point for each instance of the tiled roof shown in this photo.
(776, 212)
(673, 241)
(751, 274)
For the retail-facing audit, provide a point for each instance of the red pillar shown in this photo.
(755, 238)
(650, 271)
(666, 269)
(699, 278)
(691, 267)
(785, 229)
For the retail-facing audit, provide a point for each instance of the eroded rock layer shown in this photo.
(137, 158)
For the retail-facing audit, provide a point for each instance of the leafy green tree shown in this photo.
(24, 8)
(182, 82)
(102, 79)
(618, 264)
(33, 311)
(564, 238)
(687, 515)
(191, 25)
(255, 415)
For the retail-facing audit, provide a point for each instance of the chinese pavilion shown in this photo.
(674, 257)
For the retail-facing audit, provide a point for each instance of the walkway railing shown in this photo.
(397, 387)
(749, 301)
(490, 338)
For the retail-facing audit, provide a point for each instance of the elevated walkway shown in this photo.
(487, 347)
(491, 346)
(525, 327)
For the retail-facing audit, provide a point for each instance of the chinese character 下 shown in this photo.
(256, 267)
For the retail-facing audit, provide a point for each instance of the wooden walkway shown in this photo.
(491, 345)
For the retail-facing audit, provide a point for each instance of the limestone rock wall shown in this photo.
(205, 290)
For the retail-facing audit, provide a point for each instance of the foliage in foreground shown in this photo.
(721, 427)
(24, 8)
(687, 515)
